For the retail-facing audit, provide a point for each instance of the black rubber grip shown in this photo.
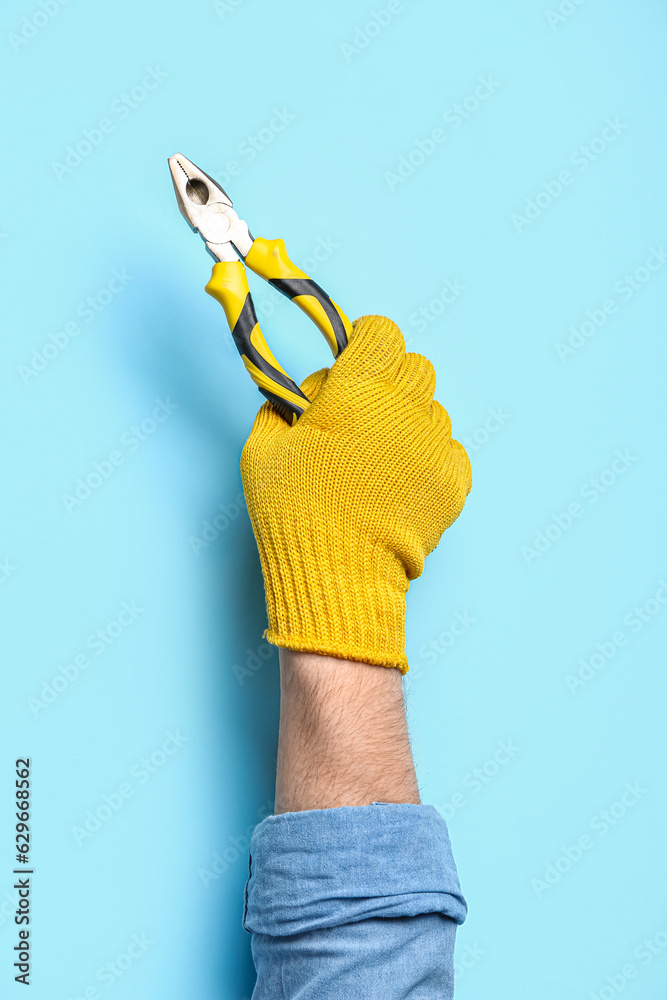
(291, 287)
(243, 327)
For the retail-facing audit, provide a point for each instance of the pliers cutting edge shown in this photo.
(208, 210)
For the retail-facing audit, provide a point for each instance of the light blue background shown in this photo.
(323, 177)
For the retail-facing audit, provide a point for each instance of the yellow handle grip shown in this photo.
(229, 285)
(269, 259)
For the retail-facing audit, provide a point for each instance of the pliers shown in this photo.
(208, 210)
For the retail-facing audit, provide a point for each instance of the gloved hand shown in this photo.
(347, 503)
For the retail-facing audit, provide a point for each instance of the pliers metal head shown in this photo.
(207, 208)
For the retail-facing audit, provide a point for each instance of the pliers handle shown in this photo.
(229, 285)
(208, 209)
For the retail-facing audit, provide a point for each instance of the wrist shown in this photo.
(347, 743)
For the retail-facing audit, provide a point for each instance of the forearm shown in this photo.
(343, 735)
(352, 890)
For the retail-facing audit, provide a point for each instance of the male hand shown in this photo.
(347, 503)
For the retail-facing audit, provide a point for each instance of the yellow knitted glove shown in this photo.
(347, 503)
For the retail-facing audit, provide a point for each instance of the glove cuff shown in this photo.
(315, 605)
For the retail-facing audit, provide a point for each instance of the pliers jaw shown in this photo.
(207, 209)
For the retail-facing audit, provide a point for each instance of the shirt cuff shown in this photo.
(328, 867)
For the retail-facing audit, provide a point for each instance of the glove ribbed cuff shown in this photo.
(325, 609)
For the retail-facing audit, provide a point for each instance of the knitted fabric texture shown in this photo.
(347, 503)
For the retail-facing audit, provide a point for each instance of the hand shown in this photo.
(347, 503)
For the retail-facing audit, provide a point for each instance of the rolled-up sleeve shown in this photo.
(358, 901)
